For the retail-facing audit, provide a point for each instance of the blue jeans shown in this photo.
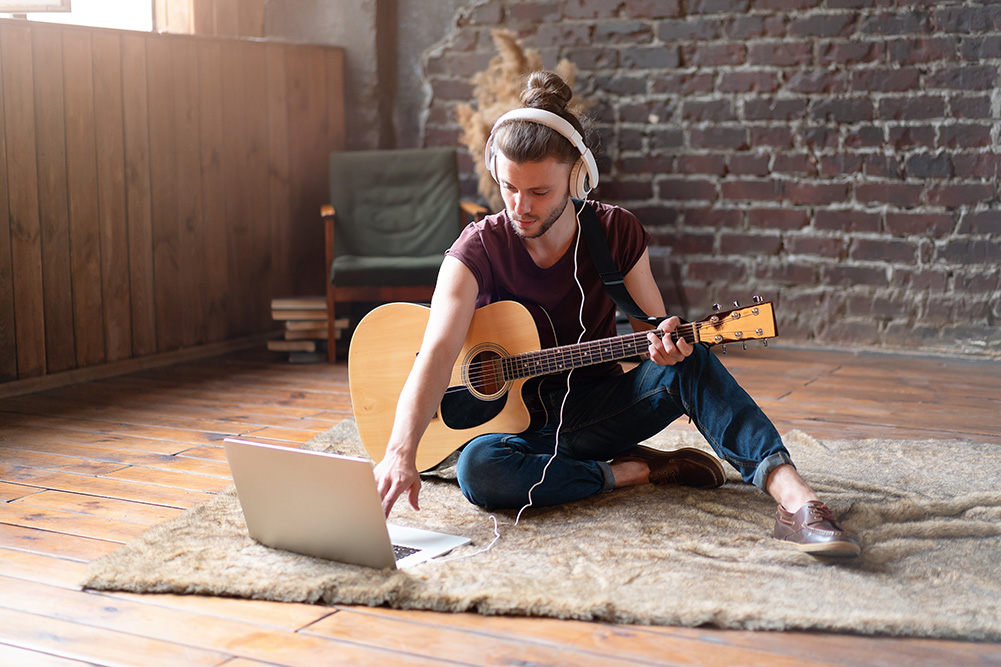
(605, 418)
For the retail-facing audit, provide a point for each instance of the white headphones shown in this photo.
(583, 174)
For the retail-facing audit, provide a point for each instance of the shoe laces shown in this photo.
(668, 474)
(819, 512)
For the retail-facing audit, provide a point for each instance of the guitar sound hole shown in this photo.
(486, 375)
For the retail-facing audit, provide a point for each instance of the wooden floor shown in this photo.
(88, 467)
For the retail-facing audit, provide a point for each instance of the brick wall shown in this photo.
(840, 157)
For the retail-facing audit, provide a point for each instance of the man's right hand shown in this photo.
(394, 476)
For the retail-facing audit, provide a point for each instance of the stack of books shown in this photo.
(305, 334)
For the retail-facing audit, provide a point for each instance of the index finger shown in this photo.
(389, 499)
(669, 324)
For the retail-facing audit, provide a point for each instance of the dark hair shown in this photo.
(525, 141)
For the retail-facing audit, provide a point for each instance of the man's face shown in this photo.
(535, 193)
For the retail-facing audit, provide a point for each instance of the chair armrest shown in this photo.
(474, 210)
(329, 216)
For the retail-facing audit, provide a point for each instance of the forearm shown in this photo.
(644, 291)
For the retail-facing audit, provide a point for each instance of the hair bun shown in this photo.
(547, 91)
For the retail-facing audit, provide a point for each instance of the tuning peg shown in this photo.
(756, 299)
(716, 307)
(724, 349)
(736, 303)
(765, 341)
(744, 345)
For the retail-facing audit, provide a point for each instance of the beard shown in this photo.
(548, 221)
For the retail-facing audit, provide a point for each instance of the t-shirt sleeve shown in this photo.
(469, 250)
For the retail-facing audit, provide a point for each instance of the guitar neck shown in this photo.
(578, 355)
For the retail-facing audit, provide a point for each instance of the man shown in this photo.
(530, 253)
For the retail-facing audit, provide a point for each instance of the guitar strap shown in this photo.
(611, 277)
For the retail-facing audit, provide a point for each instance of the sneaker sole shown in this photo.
(832, 549)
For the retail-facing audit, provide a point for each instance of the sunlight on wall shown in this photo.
(123, 14)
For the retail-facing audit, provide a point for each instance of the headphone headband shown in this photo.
(584, 173)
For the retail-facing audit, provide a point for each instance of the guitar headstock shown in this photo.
(738, 325)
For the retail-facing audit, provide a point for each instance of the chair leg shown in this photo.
(331, 328)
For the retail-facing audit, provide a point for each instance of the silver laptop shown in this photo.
(323, 505)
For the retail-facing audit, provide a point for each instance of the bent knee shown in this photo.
(481, 475)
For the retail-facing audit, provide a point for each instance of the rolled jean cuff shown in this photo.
(766, 467)
(606, 473)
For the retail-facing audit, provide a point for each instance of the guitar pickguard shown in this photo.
(460, 409)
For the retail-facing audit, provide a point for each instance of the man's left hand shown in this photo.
(665, 352)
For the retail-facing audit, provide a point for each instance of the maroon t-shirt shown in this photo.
(505, 271)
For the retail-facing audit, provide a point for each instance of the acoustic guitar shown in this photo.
(502, 350)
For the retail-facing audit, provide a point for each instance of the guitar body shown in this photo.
(382, 353)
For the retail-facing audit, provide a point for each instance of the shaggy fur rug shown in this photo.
(928, 514)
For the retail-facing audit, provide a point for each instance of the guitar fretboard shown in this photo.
(578, 355)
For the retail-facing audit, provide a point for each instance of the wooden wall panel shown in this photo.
(135, 115)
(211, 17)
(165, 195)
(236, 183)
(216, 301)
(278, 170)
(202, 18)
(225, 17)
(250, 17)
(84, 215)
(334, 85)
(306, 80)
(254, 65)
(159, 190)
(116, 307)
(191, 231)
(22, 193)
(8, 341)
(53, 198)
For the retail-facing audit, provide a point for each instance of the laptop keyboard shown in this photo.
(403, 552)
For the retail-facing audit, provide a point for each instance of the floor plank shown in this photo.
(77, 641)
(12, 655)
(42, 568)
(156, 494)
(52, 543)
(849, 649)
(209, 639)
(70, 523)
(592, 643)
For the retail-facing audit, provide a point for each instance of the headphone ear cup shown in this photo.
(488, 156)
(579, 186)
